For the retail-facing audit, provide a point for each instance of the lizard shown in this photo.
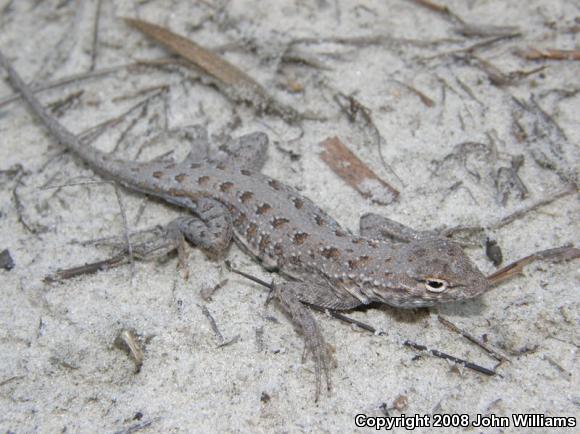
(226, 198)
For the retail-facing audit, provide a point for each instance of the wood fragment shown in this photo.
(424, 98)
(549, 54)
(494, 353)
(558, 254)
(484, 31)
(127, 340)
(355, 173)
(235, 83)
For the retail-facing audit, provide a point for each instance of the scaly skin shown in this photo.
(330, 266)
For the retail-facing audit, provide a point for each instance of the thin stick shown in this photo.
(564, 253)
(473, 339)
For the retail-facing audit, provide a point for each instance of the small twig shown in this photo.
(212, 323)
(474, 47)
(564, 253)
(520, 213)
(441, 10)
(494, 353)
(126, 232)
(424, 98)
(90, 268)
(454, 359)
(95, 41)
(87, 76)
(549, 54)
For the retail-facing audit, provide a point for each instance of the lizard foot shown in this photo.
(305, 322)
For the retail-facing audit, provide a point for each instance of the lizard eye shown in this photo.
(436, 285)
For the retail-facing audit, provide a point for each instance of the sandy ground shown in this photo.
(59, 368)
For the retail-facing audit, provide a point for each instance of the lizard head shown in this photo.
(429, 272)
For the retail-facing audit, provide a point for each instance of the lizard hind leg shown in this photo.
(301, 316)
(378, 227)
(210, 229)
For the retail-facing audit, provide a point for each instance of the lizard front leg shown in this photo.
(288, 295)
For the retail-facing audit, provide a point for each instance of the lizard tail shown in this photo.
(98, 160)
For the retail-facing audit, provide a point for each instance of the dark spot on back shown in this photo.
(331, 252)
(246, 172)
(298, 203)
(340, 233)
(203, 180)
(180, 177)
(278, 249)
(157, 174)
(318, 219)
(263, 209)
(240, 220)
(246, 196)
(252, 230)
(279, 222)
(264, 242)
(353, 264)
(274, 184)
(295, 260)
(226, 186)
(300, 237)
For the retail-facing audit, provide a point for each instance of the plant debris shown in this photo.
(234, 82)
(358, 175)
(558, 254)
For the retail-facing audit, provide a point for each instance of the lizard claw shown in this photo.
(303, 319)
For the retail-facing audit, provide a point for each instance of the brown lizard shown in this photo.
(226, 198)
